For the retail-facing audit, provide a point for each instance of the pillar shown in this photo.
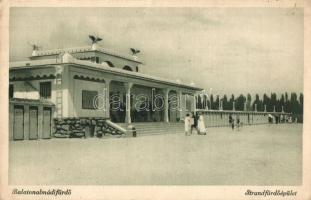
(107, 97)
(195, 100)
(265, 108)
(233, 107)
(180, 106)
(255, 107)
(273, 108)
(166, 106)
(128, 87)
(67, 104)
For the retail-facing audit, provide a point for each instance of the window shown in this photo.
(136, 69)
(109, 63)
(11, 91)
(95, 59)
(88, 98)
(128, 68)
(45, 90)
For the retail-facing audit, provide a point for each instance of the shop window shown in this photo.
(88, 98)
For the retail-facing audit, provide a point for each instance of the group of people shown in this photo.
(195, 121)
(234, 121)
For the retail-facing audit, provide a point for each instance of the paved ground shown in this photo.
(256, 155)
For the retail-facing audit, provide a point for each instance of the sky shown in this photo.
(223, 50)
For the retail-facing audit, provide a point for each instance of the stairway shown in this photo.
(155, 128)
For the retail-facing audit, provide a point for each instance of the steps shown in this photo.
(155, 128)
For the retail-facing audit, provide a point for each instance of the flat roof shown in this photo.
(85, 49)
(33, 64)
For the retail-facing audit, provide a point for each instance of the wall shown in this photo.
(31, 89)
(78, 86)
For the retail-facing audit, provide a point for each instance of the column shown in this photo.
(195, 100)
(273, 108)
(107, 97)
(181, 109)
(66, 97)
(233, 106)
(265, 108)
(166, 106)
(255, 107)
(128, 87)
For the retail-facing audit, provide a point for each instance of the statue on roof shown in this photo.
(95, 39)
(135, 51)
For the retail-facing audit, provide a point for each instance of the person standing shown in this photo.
(187, 124)
(231, 121)
(238, 122)
(192, 122)
(201, 125)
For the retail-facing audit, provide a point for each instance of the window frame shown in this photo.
(49, 93)
(88, 105)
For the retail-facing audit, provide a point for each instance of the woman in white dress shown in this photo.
(187, 124)
(201, 125)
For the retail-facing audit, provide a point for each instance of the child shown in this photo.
(187, 124)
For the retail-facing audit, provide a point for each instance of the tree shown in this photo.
(248, 102)
(282, 101)
(211, 102)
(265, 100)
(294, 104)
(216, 103)
(240, 102)
(231, 102)
(287, 104)
(301, 103)
(256, 102)
(273, 102)
(225, 103)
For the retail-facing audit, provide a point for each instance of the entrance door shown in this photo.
(46, 132)
(33, 123)
(18, 128)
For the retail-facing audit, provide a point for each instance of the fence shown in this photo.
(216, 118)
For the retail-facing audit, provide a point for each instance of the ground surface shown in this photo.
(255, 155)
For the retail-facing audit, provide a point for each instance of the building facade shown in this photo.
(95, 82)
